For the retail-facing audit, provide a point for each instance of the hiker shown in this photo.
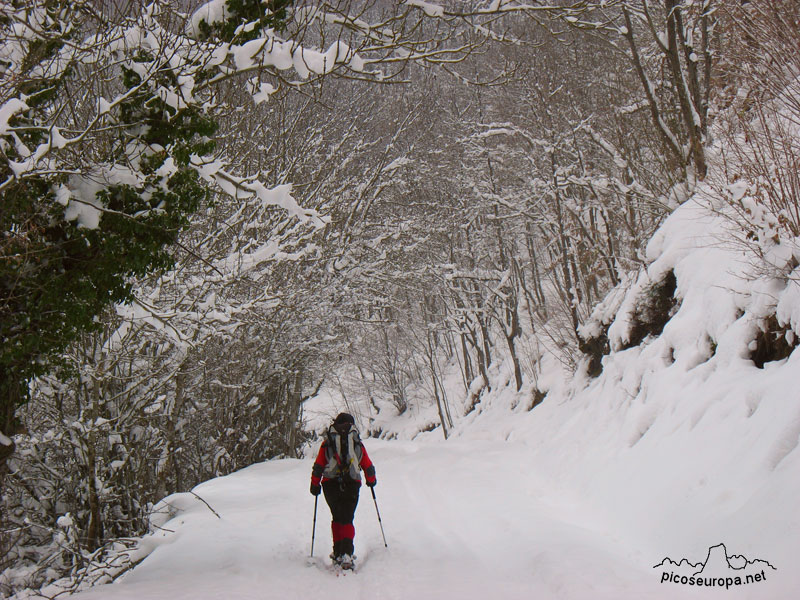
(336, 472)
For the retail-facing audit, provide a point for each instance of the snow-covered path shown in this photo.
(463, 520)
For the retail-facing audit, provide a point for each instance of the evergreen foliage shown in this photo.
(57, 274)
(246, 18)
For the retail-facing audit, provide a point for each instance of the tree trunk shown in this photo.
(295, 396)
(513, 329)
(94, 529)
(11, 398)
(563, 246)
(469, 375)
(537, 280)
(441, 402)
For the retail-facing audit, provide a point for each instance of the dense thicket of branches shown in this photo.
(469, 213)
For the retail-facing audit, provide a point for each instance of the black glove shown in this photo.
(372, 483)
(315, 489)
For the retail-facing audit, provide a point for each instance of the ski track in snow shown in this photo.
(466, 520)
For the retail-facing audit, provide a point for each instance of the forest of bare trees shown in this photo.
(474, 178)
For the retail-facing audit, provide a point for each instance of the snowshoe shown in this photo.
(346, 562)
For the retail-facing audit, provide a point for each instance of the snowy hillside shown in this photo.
(681, 444)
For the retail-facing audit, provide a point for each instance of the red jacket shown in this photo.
(325, 463)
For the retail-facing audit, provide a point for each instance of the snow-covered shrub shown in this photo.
(129, 423)
(761, 120)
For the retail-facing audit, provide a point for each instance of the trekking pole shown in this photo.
(375, 500)
(314, 528)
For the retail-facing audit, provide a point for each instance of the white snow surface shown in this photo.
(450, 534)
(680, 445)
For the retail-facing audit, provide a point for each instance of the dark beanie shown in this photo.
(343, 418)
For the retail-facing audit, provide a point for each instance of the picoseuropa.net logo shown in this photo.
(719, 570)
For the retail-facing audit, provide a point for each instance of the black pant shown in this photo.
(342, 498)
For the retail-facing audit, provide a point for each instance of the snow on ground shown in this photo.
(463, 520)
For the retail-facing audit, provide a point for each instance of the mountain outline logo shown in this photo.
(719, 569)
